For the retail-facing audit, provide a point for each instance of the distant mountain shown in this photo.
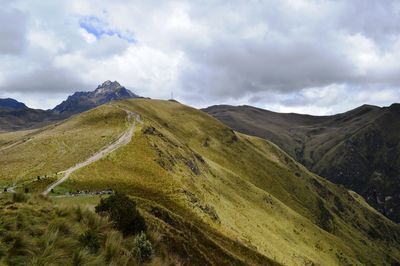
(359, 149)
(83, 101)
(15, 115)
(12, 104)
(12, 119)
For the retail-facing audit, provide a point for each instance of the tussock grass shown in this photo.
(39, 232)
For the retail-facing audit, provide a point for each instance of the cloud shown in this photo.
(13, 31)
(46, 79)
(313, 56)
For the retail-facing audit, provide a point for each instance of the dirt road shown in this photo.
(132, 119)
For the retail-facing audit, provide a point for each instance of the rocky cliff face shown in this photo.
(82, 101)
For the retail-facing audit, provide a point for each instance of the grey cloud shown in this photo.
(107, 46)
(260, 52)
(46, 79)
(13, 31)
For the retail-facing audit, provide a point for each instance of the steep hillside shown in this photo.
(359, 149)
(223, 198)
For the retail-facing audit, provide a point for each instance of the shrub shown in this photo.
(89, 239)
(123, 213)
(19, 197)
(142, 249)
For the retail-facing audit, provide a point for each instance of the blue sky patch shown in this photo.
(99, 28)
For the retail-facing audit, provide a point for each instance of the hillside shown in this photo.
(217, 196)
(18, 119)
(358, 149)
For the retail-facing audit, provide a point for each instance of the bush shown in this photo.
(123, 213)
(19, 197)
(142, 249)
(89, 239)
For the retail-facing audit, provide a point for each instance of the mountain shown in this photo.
(359, 149)
(83, 101)
(11, 104)
(17, 116)
(209, 195)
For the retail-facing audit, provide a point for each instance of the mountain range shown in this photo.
(359, 149)
(209, 195)
(16, 116)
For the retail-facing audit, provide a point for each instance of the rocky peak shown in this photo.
(108, 86)
(106, 92)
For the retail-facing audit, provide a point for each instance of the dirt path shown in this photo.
(132, 119)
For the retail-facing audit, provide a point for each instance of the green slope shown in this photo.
(358, 149)
(228, 197)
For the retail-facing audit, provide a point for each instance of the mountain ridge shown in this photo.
(358, 148)
(12, 104)
(15, 115)
(234, 198)
(83, 101)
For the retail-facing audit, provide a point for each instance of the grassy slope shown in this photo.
(56, 147)
(358, 149)
(228, 198)
(38, 231)
(262, 198)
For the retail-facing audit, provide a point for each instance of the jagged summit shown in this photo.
(106, 92)
(108, 86)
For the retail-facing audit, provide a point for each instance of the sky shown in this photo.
(316, 57)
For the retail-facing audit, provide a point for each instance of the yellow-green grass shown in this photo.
(59, 146)
(246, 188)
(239, 194)
(39, 231)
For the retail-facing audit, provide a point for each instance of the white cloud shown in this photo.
(312, 56)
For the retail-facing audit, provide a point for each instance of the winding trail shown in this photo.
(126, 137)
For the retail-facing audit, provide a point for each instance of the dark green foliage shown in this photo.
(143, 249)
(123, 213)
(3, 250)
(19, 197)
(89, 239)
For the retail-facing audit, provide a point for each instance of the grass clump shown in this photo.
(123, 213)
(90, 240)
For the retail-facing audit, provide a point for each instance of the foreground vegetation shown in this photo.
(35, 232)
(217, 197)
